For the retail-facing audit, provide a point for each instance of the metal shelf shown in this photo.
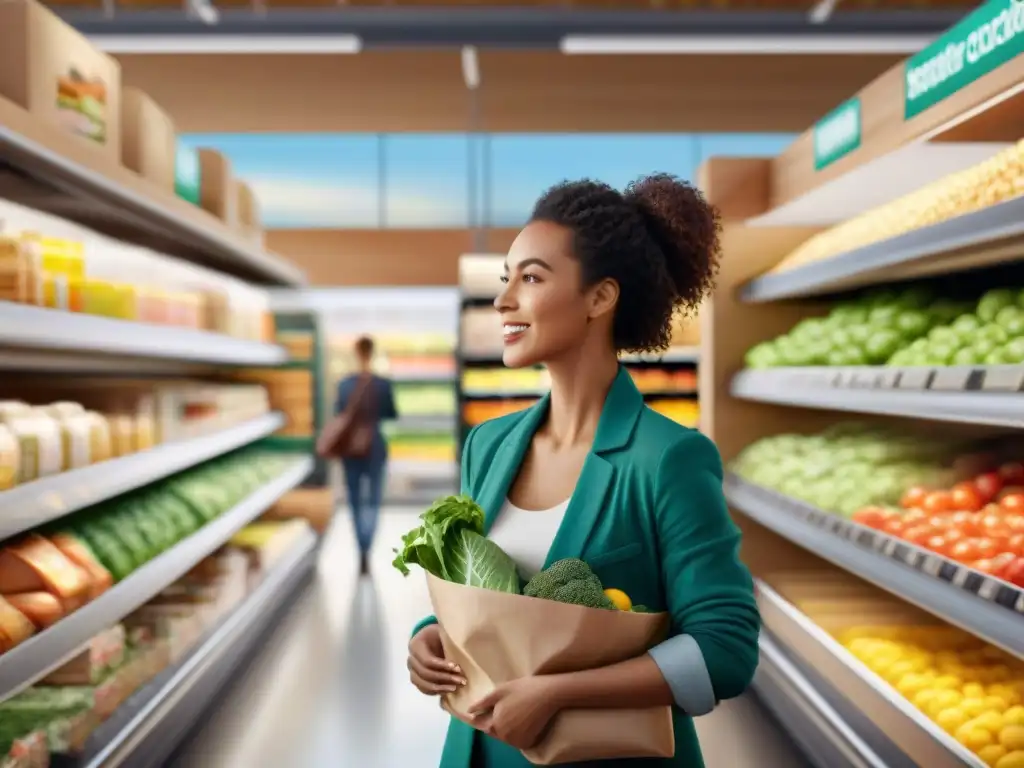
(982, 605)
(73, 190)
(818, 729)
(940, 248)
(888, 391)
(43, 653)
(893, 729)
(86, 336)
(33, 504)
(149, 726)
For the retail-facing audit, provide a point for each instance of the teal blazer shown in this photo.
(649, 516)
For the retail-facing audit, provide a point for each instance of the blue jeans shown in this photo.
(364, 479)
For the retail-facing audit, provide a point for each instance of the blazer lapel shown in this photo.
(509, 457)
(621, 411)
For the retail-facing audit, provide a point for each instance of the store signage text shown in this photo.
(837, 134)
(988, 38)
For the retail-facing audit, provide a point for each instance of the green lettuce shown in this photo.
(450, 544)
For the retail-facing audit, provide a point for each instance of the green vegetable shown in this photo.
(569, 581)
(640, 609)
(450, 545)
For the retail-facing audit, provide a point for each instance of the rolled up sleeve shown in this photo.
(682, 664)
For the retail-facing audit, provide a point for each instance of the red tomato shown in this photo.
(914, 517)
(1001, 562)
(1012, 472)
(984, 565)
(872, 517)
(1013, 502)
(913, 497)
(1014, 572)
(986, 547)
(953, 536)
(965, 496)
(988, 485)
(937, 544)
(1015, 544)
(1014, 522)
(988, 521)
(965, 551)
(894, 526)
(938, 501)
(967, 522)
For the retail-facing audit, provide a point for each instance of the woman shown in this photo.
(364, 476)
(590, 472)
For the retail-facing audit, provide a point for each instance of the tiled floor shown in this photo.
(330, 689)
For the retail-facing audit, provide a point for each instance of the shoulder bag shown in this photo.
(350, 434)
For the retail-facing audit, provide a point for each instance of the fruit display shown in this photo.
(993, 181)
(973, 691)
(48, 574)
(848, 466)
(912, 327)
(978, 522)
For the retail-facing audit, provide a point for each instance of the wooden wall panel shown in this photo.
(380, 257)
(541, 91)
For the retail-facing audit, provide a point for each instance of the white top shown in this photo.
(526, 535)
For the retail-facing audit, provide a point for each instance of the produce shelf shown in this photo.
(46, 651)
(74, 181)
(987, 607)
(33, 504)
(821, 731)
(893, 728)
(987, 236)
(27, 327)
(147, 728)
(992, 395)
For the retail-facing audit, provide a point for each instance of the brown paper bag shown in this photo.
(496, 637)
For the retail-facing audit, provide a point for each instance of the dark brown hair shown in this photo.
(659, 240)
(364, 347)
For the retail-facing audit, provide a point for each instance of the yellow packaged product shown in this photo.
(101, 447)
(10, 459)
(145, 432)
(125, 301)
(122, 434)
(76, 441)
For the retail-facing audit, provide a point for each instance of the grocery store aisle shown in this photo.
(330, 688)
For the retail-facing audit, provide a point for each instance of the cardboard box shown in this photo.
(148, 139)
(250, 223)
(217, 192)
(55, 73)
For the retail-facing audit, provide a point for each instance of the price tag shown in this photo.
(1019, 605)
(890, 548)
(910, 556)
(989, 589)
(932, 566)
(961, 577)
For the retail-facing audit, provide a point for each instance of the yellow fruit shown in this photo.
(620, 599)
(1014, 715)
(990, 721)
(1013, 759)
(947, 681)
(992, 754)
(973, 707)
(910, 685)
(974, 738)
(996, 703)
(944, 700)
(973, 691)
(951, 720)
(1012, 737)
(923, 698)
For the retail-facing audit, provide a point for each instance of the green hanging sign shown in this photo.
(988, 38)
(837, 134)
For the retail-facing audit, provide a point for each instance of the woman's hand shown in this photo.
(517, 712)
(428, 669)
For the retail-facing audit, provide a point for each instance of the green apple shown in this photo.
(994, 333)
(995, 357)
(860, 332)
(995, 300)
(965, 325)
(983, 348)
(912, 323)
(943, 334)
(967, 356)
(882, 344)
(883, 315)
(1013, 352)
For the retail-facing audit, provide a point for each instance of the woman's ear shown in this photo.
(603, 298)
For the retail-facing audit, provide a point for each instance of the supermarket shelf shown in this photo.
(902, 736)
(43, 653)
(87, 336)
(33, 504)
(988, 236)
(123, 203)
(517, 394)
(432, 423)
(818, 729)
(983, 605)
(992, 396)
(446, 377)
(680, 355)
(147, 728)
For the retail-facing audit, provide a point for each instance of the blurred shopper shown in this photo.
(591, 472)
(364, 401)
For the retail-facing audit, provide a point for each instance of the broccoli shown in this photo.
(569, 581)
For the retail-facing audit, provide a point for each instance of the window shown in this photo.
(306, 181)
(426, 180)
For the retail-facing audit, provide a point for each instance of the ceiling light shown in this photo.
(744, 44)
(470, 67)
(228, 44)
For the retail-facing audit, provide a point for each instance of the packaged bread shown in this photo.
(15, 627)
(10, 459)
(40, 445)
(101, 441)
(41, 608)
(34, 564)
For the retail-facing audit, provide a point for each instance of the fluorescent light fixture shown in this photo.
(205, 12)
(228, 44)
(470, 67)
(821, 12)
(744, 44)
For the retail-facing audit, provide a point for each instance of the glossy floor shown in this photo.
(331, 688)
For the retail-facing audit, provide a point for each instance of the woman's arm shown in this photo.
(341, 401)
(712, 653)
(388, 410)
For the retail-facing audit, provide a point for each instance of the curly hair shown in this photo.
(659, 240)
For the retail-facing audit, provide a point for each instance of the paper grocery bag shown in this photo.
(496, 637)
